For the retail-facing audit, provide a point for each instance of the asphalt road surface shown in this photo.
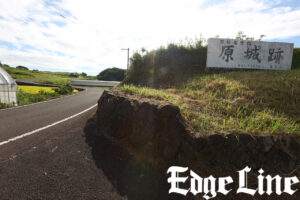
(20, 120)
(63, 156)
(56, 162)
(66, 157)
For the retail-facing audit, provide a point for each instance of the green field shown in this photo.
(33, 94)
(258, 102)
(56, 78)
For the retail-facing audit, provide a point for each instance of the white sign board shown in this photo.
(230, 53)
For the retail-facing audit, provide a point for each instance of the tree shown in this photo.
(241, 36)
(74, 75)
(22, 67)
(83, 74)
(112, 74)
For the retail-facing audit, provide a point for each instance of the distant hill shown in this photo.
(44, 76)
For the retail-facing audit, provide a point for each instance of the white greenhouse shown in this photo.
(8, 88)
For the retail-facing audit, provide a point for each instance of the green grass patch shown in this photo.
(104, 88)
(5, 105)
(36, 94)
(258, 102)
(144, 92)
(57, 78)
(27, 98)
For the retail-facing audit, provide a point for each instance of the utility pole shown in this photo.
(127, 57)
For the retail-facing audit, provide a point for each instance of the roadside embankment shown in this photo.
(155, 131)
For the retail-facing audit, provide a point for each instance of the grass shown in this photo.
(145, 92)
(104, 87)
(5, 105)
(33, 94)
(25, 98)
(257, 102)
(57, 78)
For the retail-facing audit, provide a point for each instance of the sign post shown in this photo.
(231, 53)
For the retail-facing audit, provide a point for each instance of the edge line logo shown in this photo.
(207, 186)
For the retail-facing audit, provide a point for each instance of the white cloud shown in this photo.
(96, 30)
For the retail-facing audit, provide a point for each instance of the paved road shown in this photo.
(20, 120)
(70, 160)
(55, 163)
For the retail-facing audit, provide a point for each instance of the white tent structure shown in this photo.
(8, 88)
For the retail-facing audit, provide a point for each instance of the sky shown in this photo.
(88, 35)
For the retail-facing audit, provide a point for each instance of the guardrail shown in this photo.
(94, 83)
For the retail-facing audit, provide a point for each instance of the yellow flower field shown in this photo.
(35, 89)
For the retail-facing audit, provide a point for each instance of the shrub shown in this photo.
(64, 89)
(27, 98)
(167, 65)
(112, 74)
(5, 105)
(74, 75)
(174, 64)
(296, 59)
(22, 67)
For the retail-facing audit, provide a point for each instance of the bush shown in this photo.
(172, 65)
(74, 75)
(296, 59)
(167, 65)
(22, 67)
(112, 74)
(27, 95)
(5, 105)
(64, 89)
(26, 98)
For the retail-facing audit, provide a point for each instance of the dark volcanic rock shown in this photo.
(158, 131)
(152, 128)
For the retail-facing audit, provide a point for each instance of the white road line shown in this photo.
(45, 127)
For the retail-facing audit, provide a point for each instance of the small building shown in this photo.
(8, 88)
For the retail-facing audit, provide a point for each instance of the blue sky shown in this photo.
(77, 36)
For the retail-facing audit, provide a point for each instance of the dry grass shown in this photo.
(258, 102)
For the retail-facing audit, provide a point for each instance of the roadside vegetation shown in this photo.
(112, 74)
(258, 102)
(56, 78)
(33, 94)
(167, 66)
(243, 101)
(171, 65)
(4, 105)
(35, 89)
